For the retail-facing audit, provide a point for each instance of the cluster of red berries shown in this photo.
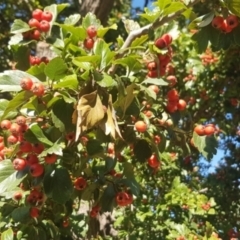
(40, 23)
(36, 88)
(124, 198)
(205, 130)
(34, 60)
(158, 67)
(225, 25)
(89, 41)
(174, 103)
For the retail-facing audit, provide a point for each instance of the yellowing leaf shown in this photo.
(89, 112)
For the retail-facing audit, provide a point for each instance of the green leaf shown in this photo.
(56, 69)
(94, 147)
(62, 6)
(131, 62)
(21, 214)
(72, 19)
(174, 7)
(155, 81)
(139, 41)
(201, 38)
(9, 179)
(10, 80)
(7, 235)
(151, 15)
(3, 105)
(162, 4)
(233, 6)
(16, 102)
(207, 145)
(19, 26)
(202, 21)
(78, 33)
(35, 134)
(38, 71)
(69, 81)
(21, 56)
(62, 119)
(107, 81)
(84, 61)
(90, 20)
(57, 149)
(103, 30)
(58, 185)
(102, 49)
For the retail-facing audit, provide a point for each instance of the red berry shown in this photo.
(5, 124)
(209, 129)
(38, 148)
(152, 66)
(51, 158)
(232, 21)
(140, 126)
(199, 129)
(88, 43)
(225, 27)
(70, 136)
(173, 95)
(37, 14)
(34, 60)
(17, 196)
(15, 129)
(153, 74)
(153, 161)
(47, 16)
(217, 22)
(19, 164)
(91, 31)
(36, 169)
(34, 23)
(38, 89)
(32, 159)
(167, 38)
(171, 107)
(65, 222)
(80, 183)
(154, 88)
(172, 80)
(123, 199)
(181, 105)
(34, 212)
(160, 43)
(44, 26)
(21, 120)
(35, 34)
(25, 147)
(12, 139)
(26, 83)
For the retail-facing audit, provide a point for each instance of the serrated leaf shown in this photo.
(207, 145)
(173, 7)
(58, 185)
(62, 6)
(56, 69)
(107, 81)
(131, 62)
(233, 6)
(103, 30)
(91, 20)
(8, 177)
(69, 81)
(102, 49)
(151, 15)
(72, 19)
(19, 26)
(16, 102)
(155, 81)
(35, 134)
(86, 61)
(10, 80)
(38, 71)
(3, 105)
(78, 33)
(139, 41)
(57, 149)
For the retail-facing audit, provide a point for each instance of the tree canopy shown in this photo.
(105, 122)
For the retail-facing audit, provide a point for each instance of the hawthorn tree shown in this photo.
(115, 123)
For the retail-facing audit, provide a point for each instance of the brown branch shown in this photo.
(144, 30)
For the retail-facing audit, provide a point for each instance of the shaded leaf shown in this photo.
(21, 214)
(94, 147)
(72, 19)
(19, 26)
(58, 185)
(3, 105)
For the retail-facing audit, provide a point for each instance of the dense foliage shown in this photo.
(118, 120)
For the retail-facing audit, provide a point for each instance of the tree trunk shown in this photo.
(101, 8)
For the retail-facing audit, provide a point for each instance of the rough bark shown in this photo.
(101, 8)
